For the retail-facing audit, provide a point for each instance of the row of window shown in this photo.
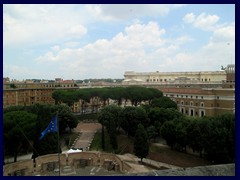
(191, 103)
(186, 96)
(183, 96)
(191, 112)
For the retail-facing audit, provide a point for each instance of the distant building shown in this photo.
(196, 93)
(28, 93)
(174, 77)
(206, 93)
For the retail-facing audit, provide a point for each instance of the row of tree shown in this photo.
(212, 137)
(22, 126)
(135, 94)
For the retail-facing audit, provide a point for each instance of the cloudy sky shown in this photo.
(104, 41)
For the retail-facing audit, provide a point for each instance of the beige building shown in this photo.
(28, 93)
(202, 102)
(174, 77)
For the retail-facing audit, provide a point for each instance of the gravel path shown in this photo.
(87, 131)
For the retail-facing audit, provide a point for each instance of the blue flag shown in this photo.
(52, 127)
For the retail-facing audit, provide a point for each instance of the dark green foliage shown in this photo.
(109, 117)
(163, 102)
(141, 147)
(213, 137)
(13, 86)
(131, 117)
(152, 132)
(220, 146)
(135, 94)
(158, 116)
(168, 132)
(40, 116)
(18, 132)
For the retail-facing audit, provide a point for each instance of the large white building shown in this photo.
(174, 77)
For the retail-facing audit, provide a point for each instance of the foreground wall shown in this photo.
(50, 163)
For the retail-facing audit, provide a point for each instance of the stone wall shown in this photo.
(79, 159)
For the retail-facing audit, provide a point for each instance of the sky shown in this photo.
(84, 41)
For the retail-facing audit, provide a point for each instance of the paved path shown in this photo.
(87, 131)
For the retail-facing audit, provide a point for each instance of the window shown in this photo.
(202, 104)
(191, 112)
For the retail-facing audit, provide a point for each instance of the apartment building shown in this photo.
(202, 102)
(28, 92)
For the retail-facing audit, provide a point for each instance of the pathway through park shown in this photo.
(87, 132)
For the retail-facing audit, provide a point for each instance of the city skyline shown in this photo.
(104, 41)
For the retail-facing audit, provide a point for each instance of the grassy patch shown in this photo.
(154, 148)
(125, 144)
(97, 142)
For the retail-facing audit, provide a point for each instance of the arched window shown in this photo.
(182, 102)
(191, 103)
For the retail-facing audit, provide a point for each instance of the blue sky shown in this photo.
(104, 41)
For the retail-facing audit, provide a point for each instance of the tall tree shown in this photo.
(131, 117)
(18, 132)
(141, 146)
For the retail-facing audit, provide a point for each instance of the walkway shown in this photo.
(87, 131)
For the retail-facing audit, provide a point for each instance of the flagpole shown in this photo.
(58, 146)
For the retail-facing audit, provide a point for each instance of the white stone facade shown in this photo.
(174, 77)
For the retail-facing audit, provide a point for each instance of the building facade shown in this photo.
(174, 77)
(202, 102)
(28, 93)
(206, 93)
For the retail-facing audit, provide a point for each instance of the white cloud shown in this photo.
(203, 21)
(77, 31)
(55, 48)
(125, 11)
(71, 44)
(127, 49)
(189, 18)
(140, 47)
(13, 71)
(36, 24)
